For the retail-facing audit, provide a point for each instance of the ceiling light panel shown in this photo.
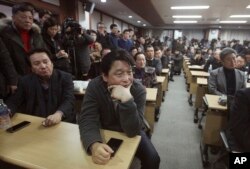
(185, 21)
(189, 7)
(233, 21)
(240, 16)
(187, 16)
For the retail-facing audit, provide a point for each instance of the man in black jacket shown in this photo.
(46, 92)
(8, 75)
(239, 121)
(20, 36)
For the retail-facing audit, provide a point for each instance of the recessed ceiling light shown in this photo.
(130, 16)
(189, 7)
(248, 6)
(144, 24)
(240, 16)
(139, 21)
(103, 1)
(185, 21)
(233, 21)
(187, 16)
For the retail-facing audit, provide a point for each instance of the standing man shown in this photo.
(46, 92)
(102, 35)
(8, 75)
(125, 42)
(20, 36)
(113, 39)
(114, 101)
(152, 61)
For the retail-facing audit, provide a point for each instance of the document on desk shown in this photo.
(80, 85)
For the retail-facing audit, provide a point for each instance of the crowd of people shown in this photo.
(39, 63)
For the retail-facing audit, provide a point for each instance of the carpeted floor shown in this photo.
(176, 137)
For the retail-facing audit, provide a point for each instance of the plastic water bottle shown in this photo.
(4, 116)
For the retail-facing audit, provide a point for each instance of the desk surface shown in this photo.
(212, 101)
(197, 67)
(160, 79)
(201, 81)
(58, 147)
(165, 71)
(199, 73)
(151, 94)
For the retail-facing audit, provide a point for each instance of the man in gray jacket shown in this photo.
(114, 101)
(226, 79)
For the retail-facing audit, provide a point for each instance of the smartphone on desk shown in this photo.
(114, 143)
(18, 126)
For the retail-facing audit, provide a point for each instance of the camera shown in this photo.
(75, 27)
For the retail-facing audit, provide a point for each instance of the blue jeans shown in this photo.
(147, 153)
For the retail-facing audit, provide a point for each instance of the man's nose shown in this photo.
(42, 65)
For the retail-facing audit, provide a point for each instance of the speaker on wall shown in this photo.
(89, 6)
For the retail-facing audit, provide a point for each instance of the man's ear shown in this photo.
(104, 77)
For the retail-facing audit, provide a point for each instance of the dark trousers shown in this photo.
(147, 154)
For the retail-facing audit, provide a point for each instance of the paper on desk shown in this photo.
(80, 85)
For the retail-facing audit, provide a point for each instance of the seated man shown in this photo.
(152, 61)
(226, 80)
(239, 122)
(114, 101)
(45, 92)
(144, 74)
(214, 61)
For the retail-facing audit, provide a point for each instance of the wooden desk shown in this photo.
(165, 72)
(58, 147)
(216, 119)
(150, 106)
(195, 67)
(193, 84)
(200, 93)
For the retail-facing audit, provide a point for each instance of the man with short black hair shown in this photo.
(151, 60)
(125, 42)
(226, 80)
(115, 101)
(46, 92)
(113, 36)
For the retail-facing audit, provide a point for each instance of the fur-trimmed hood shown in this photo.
(6, 22)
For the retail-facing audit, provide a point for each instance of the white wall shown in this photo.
(95, 18)
(193, 34)
(6, 10)
(107, 20)
(235, 34)
(83, 16)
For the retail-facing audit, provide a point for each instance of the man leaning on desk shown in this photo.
(45, 92)
(226, 79)
(114, 101)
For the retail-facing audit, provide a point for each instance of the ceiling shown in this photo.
(158, 14)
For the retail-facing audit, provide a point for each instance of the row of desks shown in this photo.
(60, 146)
